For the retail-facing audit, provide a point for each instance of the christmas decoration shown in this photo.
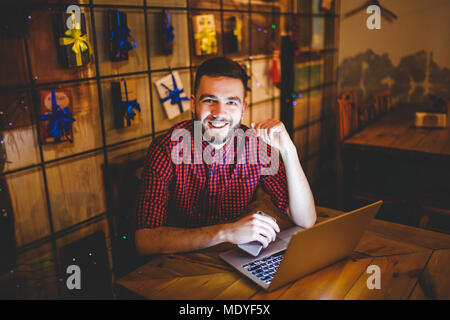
(172, 96)
(56, 116)
(274, 71)
(120, 37)
(205, 34)
(125, 98)
(233, 34)
(168, 36)
(74, 48)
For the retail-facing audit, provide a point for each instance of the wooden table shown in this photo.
(407, 167)
(395, 131)
(414, 263)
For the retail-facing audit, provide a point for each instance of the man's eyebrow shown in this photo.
(203, 96)
(210, 96)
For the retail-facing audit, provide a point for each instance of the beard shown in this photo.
(215, 136)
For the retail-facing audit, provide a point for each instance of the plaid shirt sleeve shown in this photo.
(153, 194)
(276, 186)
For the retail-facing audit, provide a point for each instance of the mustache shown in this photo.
(217, 119)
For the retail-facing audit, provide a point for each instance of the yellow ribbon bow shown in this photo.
(237, 32)
(208, 42)
(79, 40)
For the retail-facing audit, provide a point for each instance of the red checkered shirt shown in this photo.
(196, 192)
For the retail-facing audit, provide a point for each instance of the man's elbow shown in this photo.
(304, 221)
(308, 223)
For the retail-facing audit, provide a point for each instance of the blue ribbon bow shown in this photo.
(60, 120)
(121, 35)
(169, 30)
(129, 105)
(174, 95)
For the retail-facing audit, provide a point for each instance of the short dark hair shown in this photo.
(221, 67)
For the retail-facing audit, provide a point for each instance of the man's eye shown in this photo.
(233, 103)
(208, 101)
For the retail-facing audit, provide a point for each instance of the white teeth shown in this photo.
(218, 124)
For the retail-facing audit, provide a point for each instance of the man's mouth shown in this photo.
(217, 124)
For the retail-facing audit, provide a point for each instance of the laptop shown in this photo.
(297, 252)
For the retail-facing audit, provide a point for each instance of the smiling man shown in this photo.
(197, 204)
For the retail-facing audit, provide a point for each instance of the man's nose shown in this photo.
(218, 109)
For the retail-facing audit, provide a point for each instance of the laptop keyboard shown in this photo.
(265, 268)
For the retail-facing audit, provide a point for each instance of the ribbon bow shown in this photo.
(122, 34)
(60, 120)
(79, 40)
(129, 105)
(174, 95)
(237, 32)
(169, 30)
(208, 42)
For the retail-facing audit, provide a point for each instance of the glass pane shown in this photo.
(13, 63)
(137, 57)
(162, 122)
(198, 59)
(262, 111)
(87, 129)
(76, 190)
(204, 4)
(180, 46)
(45, 62)
(262, 85)
(27, 194)
(141, 125)
(18, 138)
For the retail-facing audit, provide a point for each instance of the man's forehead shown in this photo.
(225, 87)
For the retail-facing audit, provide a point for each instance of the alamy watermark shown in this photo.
(374, 20)
(374, 280)
(181, 152)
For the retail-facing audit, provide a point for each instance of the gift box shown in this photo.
(167, 33)
(233, 34)
(126, 107)
(172, 95)
(74, 49)
(120, 41)
(204, 34)
(56, 116)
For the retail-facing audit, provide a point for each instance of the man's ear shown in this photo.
(244, 109)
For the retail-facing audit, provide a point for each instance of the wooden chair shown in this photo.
(347, 114)
(347, 122)
(382, 100)
(352, 116)
(122, 177)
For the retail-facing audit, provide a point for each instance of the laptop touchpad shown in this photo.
(287, 234)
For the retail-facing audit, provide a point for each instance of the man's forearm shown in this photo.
(301, 201)
(171, 240)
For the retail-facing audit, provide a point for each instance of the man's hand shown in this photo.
(274, 133)
(254, 227)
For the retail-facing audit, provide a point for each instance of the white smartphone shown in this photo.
(254, 247)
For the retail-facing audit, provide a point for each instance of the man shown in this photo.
(191, 205)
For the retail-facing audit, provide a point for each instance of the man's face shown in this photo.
(219, 105)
